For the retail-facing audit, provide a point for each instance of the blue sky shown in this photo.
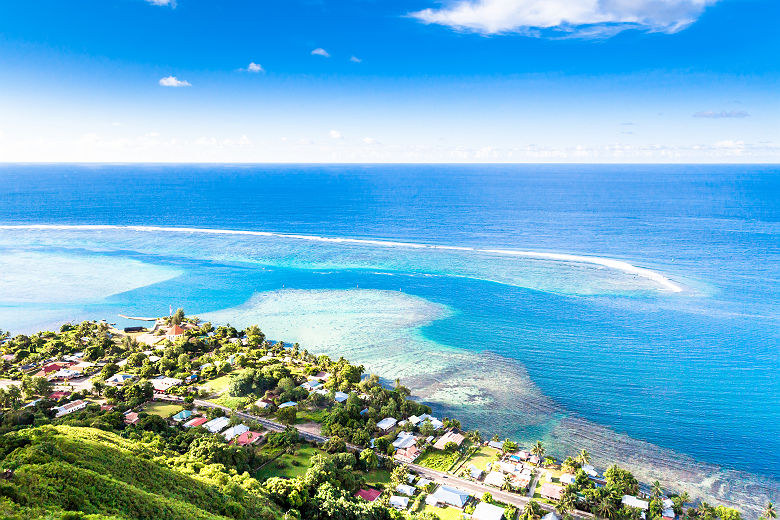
(381, 81)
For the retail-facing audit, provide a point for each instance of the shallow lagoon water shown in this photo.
(680, 384)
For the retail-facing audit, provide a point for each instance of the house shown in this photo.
(119, 379)
(590, 470)
(340, 397)
(217, 425)
(56, 396)
(475, 472)
(184, 415)
(234, 431)
(288, 404)
(311, 385)
(404, 440)
(485, 511)
(495, 479)
(533, 459)
(451, 496)
(131, 418)
(551, 516)
(386, 424)
(407, 455)
(423, 482)
(70, 407)
(506, 467)
(64, 374)
(551, 491)
(450, 436)
(174, 333)
(433, 420)
(248, 438)
(369, 495)
(194, 423)
(406, 489)
(431, 500)
(399, 503)
(263, 404)
(497, 445)
(162, 384)
(190, 379)
(632, 501)
(567, 478)
(83, 367)
(50, 368)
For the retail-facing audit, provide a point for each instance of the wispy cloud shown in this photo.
(335, 134)
(171, 3)
(355, 59)
(582, 18)
(173, 81)
(319, 51)
(253, 67)
(723, 114)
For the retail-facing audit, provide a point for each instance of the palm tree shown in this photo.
(657, 489)
(566, 503)
(532, 510)
(584, 457)
(769, 512)
(606, 508)
(538, 450)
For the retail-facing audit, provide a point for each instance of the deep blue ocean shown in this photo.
(692, 374)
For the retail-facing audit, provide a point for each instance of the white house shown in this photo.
(399, 503)
(340, 397)
(495, 479)
(406, 489)
(475, 472)
(567, 478)
(485, 511)
(71, 407)
(386, 424)
(217, 425)
(234, 431)
(451, 496)
(163, 384)
(404, 440)
(119, 379)
(632, 501)
(288, 404)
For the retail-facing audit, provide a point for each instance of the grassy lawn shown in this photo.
(231, 402)
(445, 513)
(164, 410)
(219, 384)
(376, 477)
(289, 466)
(305, 416)
(481, 458)
(438, 460)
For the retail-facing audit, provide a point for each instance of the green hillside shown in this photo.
(61, 469)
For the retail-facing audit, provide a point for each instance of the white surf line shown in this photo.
(611, 263)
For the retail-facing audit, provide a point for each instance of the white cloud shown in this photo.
(370, 140)
(355, 59)
(335, 134)
(171, 3)
(584, 18)
(319, 51)
(172, 81)
(723, 114)
(254, 67)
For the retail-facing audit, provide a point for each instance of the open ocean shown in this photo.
(468, 282)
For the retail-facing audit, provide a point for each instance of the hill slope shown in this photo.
(65, 468)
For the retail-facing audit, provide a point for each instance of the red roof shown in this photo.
(369, 494)
(175, 331)
(106, 407)
(247, 438)
(196, 422)
(58, 395)
(131, 418)
(52, 367)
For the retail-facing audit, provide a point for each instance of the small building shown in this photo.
(369, 494)
(131, 418)
(234, 431)
(386, 424)
(340, 397)
(194, 423)
(496, 445)
(70, 407)
(248, 438)
(263, 403)
(590, 470)
(399, 503)
(407, 455)
(184, 415)
(632, 501)
(217, 425)
(174, 333)
(451, 496)
(56, 396)
(288, 404)
(450, 436)
(495, 479)
(311, 385)
(406, 489)
(423, 482)
(551, 491)
(485, 511)
(551, 516)
(163, 384)
(404, 440)
(475, 472)
(567, 478)
(119, 379)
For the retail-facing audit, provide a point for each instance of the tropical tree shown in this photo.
(538, 450)
(532, 511)
(769, 512)
(657, 489)
(369, 459)
(566, 503)
(606, 508)
(583, 457)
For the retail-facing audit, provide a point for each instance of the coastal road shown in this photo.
(439, 477)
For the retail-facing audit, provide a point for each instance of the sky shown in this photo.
(390, 81)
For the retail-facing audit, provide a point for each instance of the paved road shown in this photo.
(439, 477)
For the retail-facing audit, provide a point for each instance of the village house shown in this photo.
(234, 431)
(485, 511)
(450, 496)
(369, 494)
(398, 502)
(162, 384)
(217, 425)
(131, 418)
(406, 489)
(551, 491)
(119, 379)
(450, 436)
(249, 438)
(70, 407)
(194, 423)
(386, 424)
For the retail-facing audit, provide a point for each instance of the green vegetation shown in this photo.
(482, 457)
(288, 465)
(444, 513)
(438, 460)
(162, 409)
